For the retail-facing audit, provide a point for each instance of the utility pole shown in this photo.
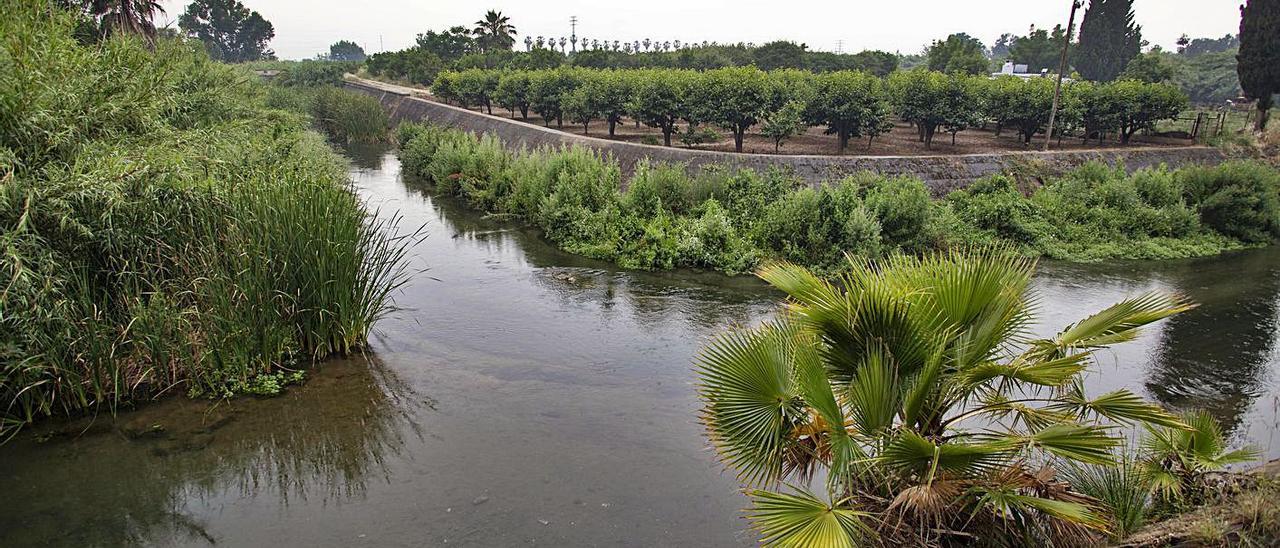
(1062, 67)
(573, 32)
(839, 46)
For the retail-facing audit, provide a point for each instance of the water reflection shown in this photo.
(1219, 356)
(139, 478)
(561, 409)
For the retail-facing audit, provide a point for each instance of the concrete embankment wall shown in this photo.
(941, 173)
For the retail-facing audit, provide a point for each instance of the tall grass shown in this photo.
(729, 220)
(342, 115)
(163, 230)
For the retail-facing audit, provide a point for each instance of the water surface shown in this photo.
(528, 396)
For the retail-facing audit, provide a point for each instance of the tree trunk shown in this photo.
(666, 135)
(738, 134)
(844, 140)
(612, 122)
(524, 112)
(584, 127)
(1264, 113)
(953, 138)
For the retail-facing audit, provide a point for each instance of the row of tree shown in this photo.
(784, 103)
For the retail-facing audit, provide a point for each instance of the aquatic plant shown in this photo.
(912, 387)
(1091, 213)
(163, 230)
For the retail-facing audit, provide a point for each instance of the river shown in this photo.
(525, 396)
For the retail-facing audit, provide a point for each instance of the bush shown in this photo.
(1237, 199)
(349, 116)
(730, 219)
(167, 230)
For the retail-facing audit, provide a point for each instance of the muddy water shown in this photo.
(527, 396)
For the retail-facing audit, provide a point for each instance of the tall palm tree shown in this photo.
(131, 16)
(495, 31)
(915, 389)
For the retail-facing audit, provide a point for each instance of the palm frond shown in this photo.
(801, 520)
(745, 381)
(1117, 323)
(1078, 442)
(1120, 405)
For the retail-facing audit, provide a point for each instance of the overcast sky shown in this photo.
(307, 27)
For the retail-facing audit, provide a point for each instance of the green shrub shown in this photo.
(729, 219)
(1237, 199)
(166, 230)
(349, 116)
(904, 209)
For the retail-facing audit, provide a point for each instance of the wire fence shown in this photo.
(1202, 124)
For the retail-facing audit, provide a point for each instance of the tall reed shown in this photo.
(162, 230)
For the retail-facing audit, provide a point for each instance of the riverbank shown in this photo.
(732, 220)
(168, 233)
(522, 384)
(942, 173)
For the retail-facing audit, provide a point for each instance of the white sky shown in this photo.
(307, 27)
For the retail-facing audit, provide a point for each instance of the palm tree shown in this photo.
(915, 389)
(1176, 461)
(130, 16)
(495, 31)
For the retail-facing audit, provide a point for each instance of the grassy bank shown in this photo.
(163, 230)
(731, 220)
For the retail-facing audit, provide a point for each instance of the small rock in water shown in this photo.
(480, 500)
(544, 522)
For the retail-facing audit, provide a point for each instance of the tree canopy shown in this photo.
(958, 53)
(1258, 62)
(230, 31)
(345, 50)
(1109, 39)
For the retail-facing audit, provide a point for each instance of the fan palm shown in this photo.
(1175, 460)
(130, 16)
(914, 388)
(495, 31)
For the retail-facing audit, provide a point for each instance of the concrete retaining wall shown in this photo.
(941, 173)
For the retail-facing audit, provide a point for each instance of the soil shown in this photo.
(902, 140)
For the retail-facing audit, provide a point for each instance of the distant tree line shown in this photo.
(785, 102)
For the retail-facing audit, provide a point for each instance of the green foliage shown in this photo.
(312, 73)
(661, 99)
(1122, 492)
(784, 123)
(414, 65)
(959, 53)
(1038, 49)
(698, 135)
(474, 87)
(346, 50)
(1093, 213)
(230, 32)
(1175, 461)
(512, 92)
(1259, 57)
(1152, 68)
(349, 116)
(547, 90)
(1108, 40)
(850, 104)
(1021, 104)
(1239, 199)
(879, 381)
(165, 231)
(931, 100)
(734, 98)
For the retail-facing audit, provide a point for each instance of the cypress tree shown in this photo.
(1109, 39)
(1258, 62)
